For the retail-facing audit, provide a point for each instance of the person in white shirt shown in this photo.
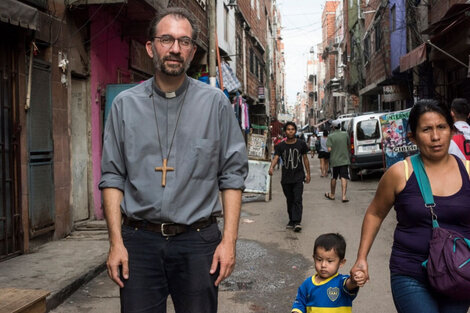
(460, 143)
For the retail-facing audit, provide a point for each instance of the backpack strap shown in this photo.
(407, 170)
(424, 186)
(422, 178)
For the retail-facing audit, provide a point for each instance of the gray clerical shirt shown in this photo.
(208, 152)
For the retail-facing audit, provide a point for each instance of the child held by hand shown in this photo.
(328, 289)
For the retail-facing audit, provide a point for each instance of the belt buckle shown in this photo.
(164, 233)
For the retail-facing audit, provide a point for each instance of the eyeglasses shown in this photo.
(167, 41)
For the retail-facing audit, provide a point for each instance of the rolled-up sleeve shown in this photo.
(233, 158)
(113, 169)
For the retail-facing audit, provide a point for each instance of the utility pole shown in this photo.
(212, 25)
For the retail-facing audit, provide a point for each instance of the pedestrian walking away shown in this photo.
(170, 144)
(430, 129)
(460, 143)
(324, 155)
(295, 171)
(312, 140)
(327, 290)
(338, 147)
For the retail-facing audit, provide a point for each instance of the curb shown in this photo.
(57, 298)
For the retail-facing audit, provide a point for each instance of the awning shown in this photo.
(413, 58)
(18, 14)
(456, 14)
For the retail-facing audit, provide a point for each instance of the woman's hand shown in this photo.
(360, 272)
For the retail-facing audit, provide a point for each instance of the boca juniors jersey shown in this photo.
(330, 295)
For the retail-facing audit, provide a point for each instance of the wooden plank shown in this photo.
(14, 300)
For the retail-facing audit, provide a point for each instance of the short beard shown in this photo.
(159, 64)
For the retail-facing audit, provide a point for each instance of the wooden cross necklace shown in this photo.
(164, 168)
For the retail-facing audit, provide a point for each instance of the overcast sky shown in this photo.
(301, 29)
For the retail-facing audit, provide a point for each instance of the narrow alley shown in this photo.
(272, 261)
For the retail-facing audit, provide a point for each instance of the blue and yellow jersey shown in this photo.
(329, 296)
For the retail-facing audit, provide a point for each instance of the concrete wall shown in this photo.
(108, 53)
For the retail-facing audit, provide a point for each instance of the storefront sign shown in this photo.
(394, 93)
(261, 92)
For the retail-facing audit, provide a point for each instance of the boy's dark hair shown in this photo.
(460, 108)
(331, 241)
(178, 13)
(291, 124)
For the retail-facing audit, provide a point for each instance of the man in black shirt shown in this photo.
(295, 170)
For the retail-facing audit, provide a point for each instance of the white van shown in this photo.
(365, 135)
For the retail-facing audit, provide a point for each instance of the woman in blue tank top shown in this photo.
(431, 130)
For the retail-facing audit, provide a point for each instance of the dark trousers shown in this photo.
(293, 193)
(177, 266)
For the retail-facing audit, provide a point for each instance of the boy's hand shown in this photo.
(362, 267)
(359, 278)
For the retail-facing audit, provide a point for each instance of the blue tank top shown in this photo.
(414, 229)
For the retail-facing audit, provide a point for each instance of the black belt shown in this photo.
(169, 229)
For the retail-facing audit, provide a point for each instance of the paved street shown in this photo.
(273, 261)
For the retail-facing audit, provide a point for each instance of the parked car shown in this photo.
(366, 143)
(344, 120)
(306, 135)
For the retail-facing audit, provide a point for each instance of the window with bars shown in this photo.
(366, 49)
(378, 37)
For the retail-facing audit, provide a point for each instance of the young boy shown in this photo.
(327, 290)
(295, 171)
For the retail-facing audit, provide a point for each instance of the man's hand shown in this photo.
(224, 257)
(270, 171)
(117, 256)
(307, 178)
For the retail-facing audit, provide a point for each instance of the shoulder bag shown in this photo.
(448, 264)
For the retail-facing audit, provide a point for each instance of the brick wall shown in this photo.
(199, 13)
(378, 65)
(329, 33)
(439, 9)
(255, 36)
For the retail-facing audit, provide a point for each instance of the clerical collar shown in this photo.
(173, 94)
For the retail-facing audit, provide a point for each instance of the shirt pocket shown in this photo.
(203, 156)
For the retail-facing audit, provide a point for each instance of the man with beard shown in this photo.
(170, 144)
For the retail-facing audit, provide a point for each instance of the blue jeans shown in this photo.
(412, 296)
(177, 266)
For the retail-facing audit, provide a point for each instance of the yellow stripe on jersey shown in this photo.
(341, 309)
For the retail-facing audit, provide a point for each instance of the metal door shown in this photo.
(79, 131)
(11, 239)
(41, 155)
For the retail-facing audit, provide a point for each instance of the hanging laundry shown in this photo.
(231, 82)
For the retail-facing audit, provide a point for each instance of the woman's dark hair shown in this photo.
(291, 124)
(325, 133)
(176, 12)
(331, 241)
(425, 106)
